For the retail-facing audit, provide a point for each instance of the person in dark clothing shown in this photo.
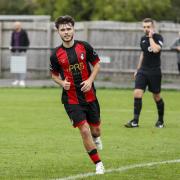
(19, 45)
(148, 74)
(176, 47)
(19, 39)
(70, 66)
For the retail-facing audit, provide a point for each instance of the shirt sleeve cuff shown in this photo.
(95, 61)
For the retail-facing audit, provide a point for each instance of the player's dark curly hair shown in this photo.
(64, 20)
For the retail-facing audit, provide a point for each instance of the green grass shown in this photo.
(37, 140)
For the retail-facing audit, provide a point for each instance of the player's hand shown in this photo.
(151, 32)
(66, 84)
(86, 85)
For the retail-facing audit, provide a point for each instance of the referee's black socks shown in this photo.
(137, 108)
(160, 108)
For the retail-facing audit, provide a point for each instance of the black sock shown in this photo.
(160, 108)
(137, 108)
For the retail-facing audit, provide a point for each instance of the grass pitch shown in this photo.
(37, 140)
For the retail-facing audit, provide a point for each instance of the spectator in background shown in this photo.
(176, 47)
(19, 45)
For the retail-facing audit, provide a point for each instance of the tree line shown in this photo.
(86, 10)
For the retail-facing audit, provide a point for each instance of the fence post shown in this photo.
(86, 31)
(49, 43)
(0, 48)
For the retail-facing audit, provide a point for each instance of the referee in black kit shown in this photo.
(148, 73)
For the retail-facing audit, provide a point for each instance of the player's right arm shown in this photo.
(64, 83)
(139, 64)
(55, 73)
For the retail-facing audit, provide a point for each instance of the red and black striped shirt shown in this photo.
(74, 64)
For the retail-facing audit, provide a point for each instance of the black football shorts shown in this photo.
(79, 114)
(153, 81)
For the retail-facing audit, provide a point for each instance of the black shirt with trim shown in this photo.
(151, 61)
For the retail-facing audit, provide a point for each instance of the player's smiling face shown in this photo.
(66, 32)
(147, 26)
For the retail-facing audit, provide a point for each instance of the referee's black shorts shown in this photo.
(80, 114)
(153, 81)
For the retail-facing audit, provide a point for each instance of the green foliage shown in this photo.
(120, 10)
(80, 9)
(44, 7)
(175, 10)
(131, 10)
(16, 7)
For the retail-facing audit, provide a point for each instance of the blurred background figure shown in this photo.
(19, 45)
(176, 47)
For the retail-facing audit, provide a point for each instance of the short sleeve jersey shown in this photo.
(151, 60)
(74, 64)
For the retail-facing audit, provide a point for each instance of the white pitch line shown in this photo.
(125, 168)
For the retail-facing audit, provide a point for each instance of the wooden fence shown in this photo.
(117, 43)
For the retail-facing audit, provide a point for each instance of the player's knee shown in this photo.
(85, 131)
(138, 93)
(156, 97)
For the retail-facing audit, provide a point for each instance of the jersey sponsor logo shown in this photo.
(150, 49)
(76, 67)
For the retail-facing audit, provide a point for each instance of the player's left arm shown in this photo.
(87, 84)
(93, 59)
(156, 44)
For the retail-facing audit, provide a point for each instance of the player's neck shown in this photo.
(68, 44)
